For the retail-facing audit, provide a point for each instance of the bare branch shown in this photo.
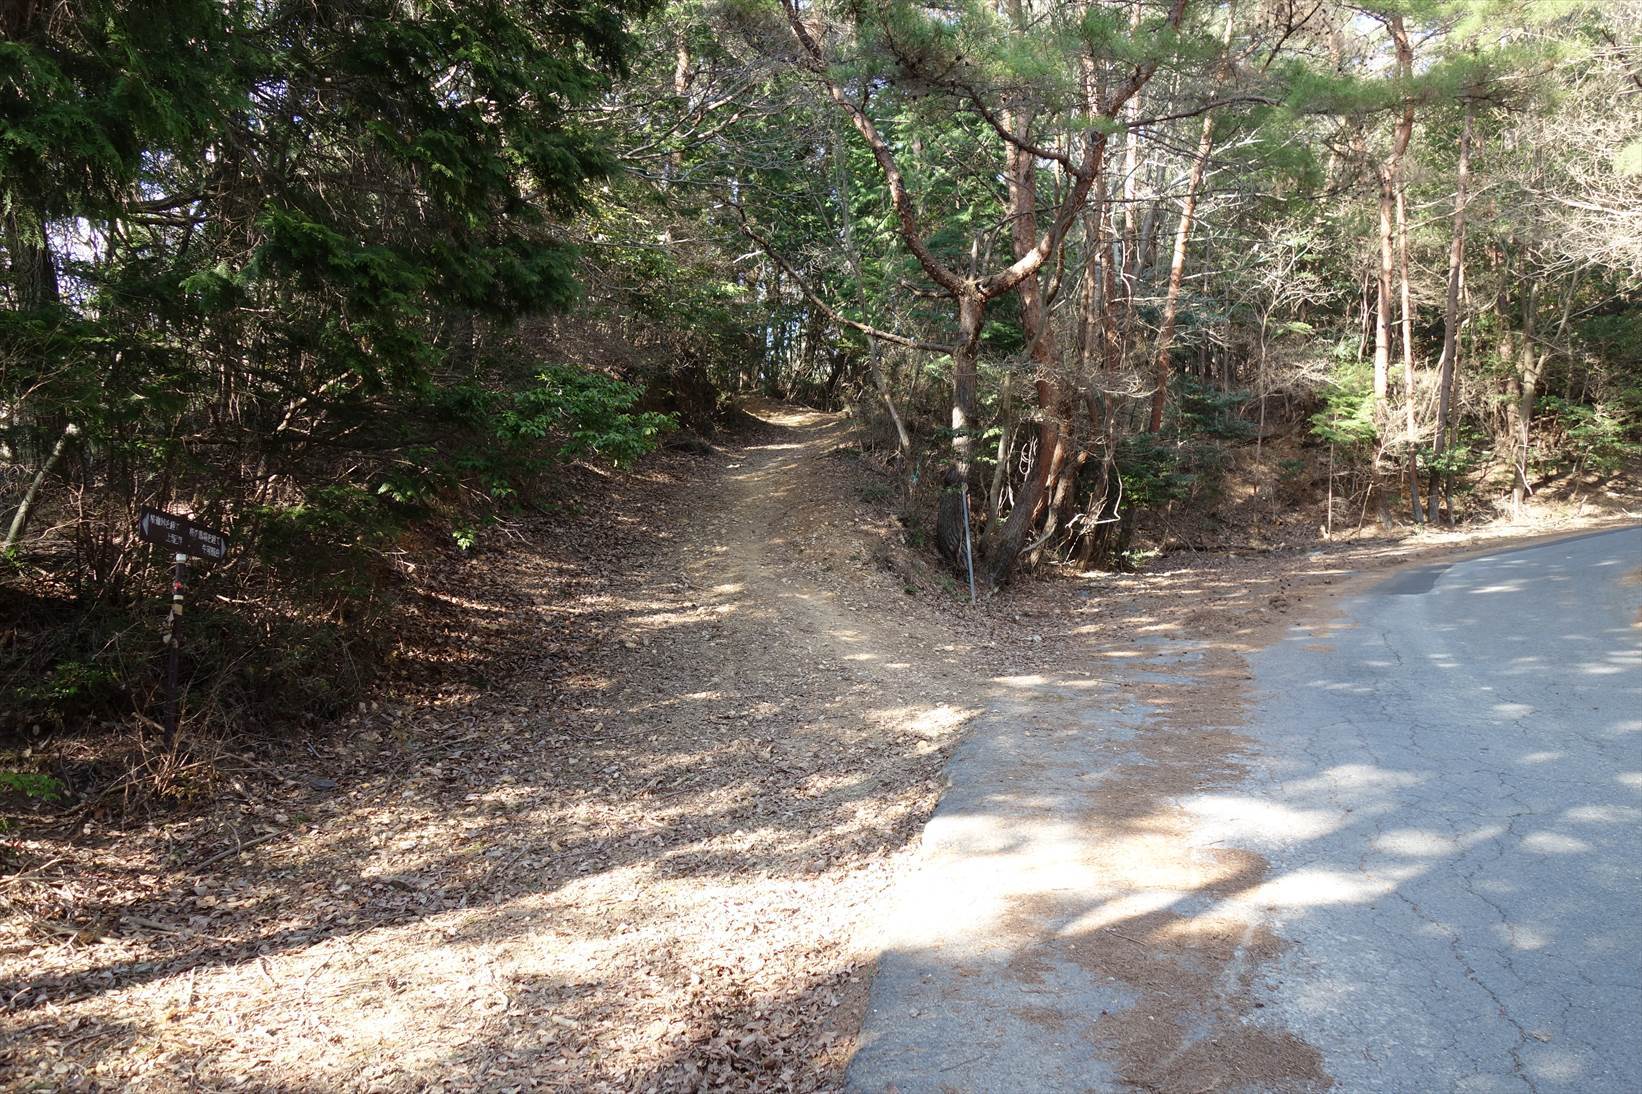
(832, 313)
(911, 233)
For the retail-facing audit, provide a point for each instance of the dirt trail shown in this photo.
(650, 876)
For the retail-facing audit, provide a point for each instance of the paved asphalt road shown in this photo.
(1447, 786)
(1454, 795)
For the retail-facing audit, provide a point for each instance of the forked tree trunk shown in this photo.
(1005, 543)
(973, 290)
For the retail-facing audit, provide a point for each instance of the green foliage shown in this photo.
(31, 784)
(1465, 454)
(340, 275)
(288, 200)
(585, 413)
(1600, 437)
(332, 514)
(321, 547)
(1205, 410)
(1158, 468)
(1347, 417)
(74, 682)
(68, 690)
(254, 254)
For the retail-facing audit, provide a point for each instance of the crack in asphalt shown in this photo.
(1450, 771)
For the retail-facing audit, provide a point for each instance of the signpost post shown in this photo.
(184, 539)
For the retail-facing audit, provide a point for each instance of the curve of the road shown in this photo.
(1453, 795)
(1415, 865)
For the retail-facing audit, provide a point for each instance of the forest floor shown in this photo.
(650, 851)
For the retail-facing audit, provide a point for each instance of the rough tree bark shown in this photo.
(1389, 176)
(1446, 364)
(1388, 173)
(1183, 234)
(1410, 424)
(1006, 542)
(1530, 361)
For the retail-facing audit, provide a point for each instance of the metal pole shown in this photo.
(969, 556)
(178, 574)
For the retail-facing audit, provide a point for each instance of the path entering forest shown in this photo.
(651, 875)
(671, 869)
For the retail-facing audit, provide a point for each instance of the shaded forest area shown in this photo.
(377, 287)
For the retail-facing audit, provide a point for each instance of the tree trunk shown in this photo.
(1451, 315)
(903, 442)
(33, 273)
(1382, 304)
(1408, 358)
(20, 519)
(1006, 443)
(972, 291)
(1177, 267)
(1129, 269)
(1530, 362)
(1006, 541)
(1389, 174)
(1328, 520)
(1177, 262)
(34, 283)
(950, 517)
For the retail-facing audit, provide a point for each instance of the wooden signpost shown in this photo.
(181, 535)
(184, 539)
